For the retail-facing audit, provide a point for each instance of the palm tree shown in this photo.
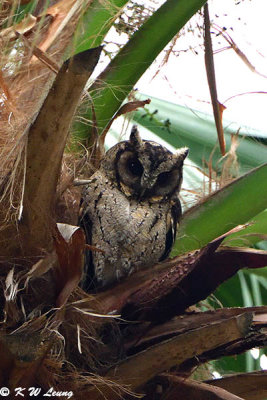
(145, 334)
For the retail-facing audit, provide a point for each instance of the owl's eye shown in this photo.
(135, 167)
(163, 179)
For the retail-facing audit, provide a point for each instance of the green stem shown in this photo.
(95, 23)
(135, 57)
(234, 204)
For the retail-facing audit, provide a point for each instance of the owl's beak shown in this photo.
(141, 194)
(146, 185)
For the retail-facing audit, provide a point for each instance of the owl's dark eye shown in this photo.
(164, 179)
(135, 167)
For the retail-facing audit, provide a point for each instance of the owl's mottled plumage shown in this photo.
(130, 208)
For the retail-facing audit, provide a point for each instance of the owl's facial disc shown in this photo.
(145, 169)
(167, 183)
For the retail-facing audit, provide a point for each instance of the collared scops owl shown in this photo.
(130, 209)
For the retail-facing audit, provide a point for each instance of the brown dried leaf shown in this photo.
(70, 249)
(171, 293)
(188, 389)
(42, 266)
(186, 322)
(61, 13)
(251, 386)
(140, 368)
(132, 106)
(210, 70)
(23, 27)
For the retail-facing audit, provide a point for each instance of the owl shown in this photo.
(130, 209)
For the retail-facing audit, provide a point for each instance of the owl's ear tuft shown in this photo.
(135, 138)
(181, 154)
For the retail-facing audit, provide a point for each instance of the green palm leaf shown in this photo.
(118, 79)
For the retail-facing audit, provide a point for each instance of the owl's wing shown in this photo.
(88, 281)
(176, 212)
